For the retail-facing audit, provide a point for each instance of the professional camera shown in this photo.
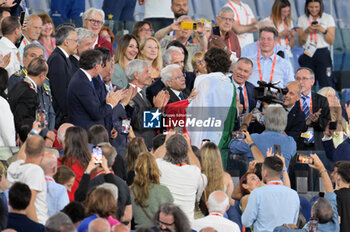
(269, 93)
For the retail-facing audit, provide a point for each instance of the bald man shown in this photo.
(57, 196)
(99, 225)
(31, 32)
(296, 117)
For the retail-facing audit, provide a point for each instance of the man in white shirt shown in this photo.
(27, 170)
(218, 204)
(158, 12)
(12, 32)
(245, 23)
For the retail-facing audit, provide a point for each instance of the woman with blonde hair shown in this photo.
(342, 131)
(218, 179)
(147, 194)
(150, 52)
(198, 63)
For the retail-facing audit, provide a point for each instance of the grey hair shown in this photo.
(136, 65)
(322, 210)
(167, 54)
(83, 33)
(112, 188)
(275, 118)
(176, 150)
(325, 90)
(30, 46)
(61, 132)
(225, 9)
(217, 203)
(109, 153)
(312, 74)
(62, 34)
(167, 73)
(183, 17)
(93, 11)
(55, 221)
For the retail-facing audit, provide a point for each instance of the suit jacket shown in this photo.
(85, 108)
(24, 102)
(319, 101)
(60, 74)
(75, 63)
(296, 124)
(101, 42)
(174, 98)
(135, 112)
(339, 153)
(250, 91)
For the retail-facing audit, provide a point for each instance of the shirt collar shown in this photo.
(237, 85)
(290, 108)
(76, 57)
(33, 82)
(138, 88)
(8, 42)
(87, 74)
(177, 93)
(309, 95)
(96, 42)
(64, 52)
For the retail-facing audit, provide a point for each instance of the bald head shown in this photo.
(61, 132)
(33, 29)
(218, 202)
(34, 146)
(120, 228)
(99, 225)
(49, 164)
(208, 229)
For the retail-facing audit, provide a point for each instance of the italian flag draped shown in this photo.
(210, 115)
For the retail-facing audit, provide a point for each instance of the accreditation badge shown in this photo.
(308, 136)
(310, 49)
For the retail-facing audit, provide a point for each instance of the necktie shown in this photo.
(241, 98)
(93, 86)
(181, 96)
(110, 88)
(306, 108)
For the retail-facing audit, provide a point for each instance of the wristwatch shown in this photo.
(325, 32)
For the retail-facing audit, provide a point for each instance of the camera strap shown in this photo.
(259, 65)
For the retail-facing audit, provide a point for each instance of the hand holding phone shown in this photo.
(304, 159)
(97, 154)
(40, 117)
(189, 26)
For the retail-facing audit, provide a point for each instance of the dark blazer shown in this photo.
(85, 108)
(296, 123)
(60, 74)
(75, 63)
(24, 102)
(339, 153)
(100, 88)
(319, 101)
(135, 112)
(174, 98)
(250, 92)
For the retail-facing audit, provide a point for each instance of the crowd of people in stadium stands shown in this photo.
(74, 99)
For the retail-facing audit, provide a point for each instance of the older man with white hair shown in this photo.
(218, 204)
(93, 20)
(175, 82)
(275, 123)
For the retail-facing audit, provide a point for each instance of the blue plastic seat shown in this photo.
(252, 5)
(96, 4)
(190, 8)
(217, 5)
(203, 9)
(38, 6)
(342, 8)
(300, 4)
(264, 8)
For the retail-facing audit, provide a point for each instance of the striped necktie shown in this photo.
(306, 108)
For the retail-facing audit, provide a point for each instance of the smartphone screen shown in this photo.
(216, 31)
(304, 159)
(21, 19)
(40, 117)
(277, 149)
(179, 130)
(125, 126)
(97, 154)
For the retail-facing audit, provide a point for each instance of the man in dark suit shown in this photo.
(85, 108)
(60, 70)
(172, 55)
(174, 81)
(139, 75)
(244, 89)
(296, 117)
(23, 97)
(316, 110)
(93, 20)
(85, 42)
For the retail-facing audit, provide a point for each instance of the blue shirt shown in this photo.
(282, 71)
(271, 206)
(57, 196)
(327, 227)
(264, 141)
(252, 49)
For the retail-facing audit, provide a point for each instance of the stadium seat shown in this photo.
(300, 4)
(38, 6)
(342, 8)
(345, 94)
(252, 5)
(294, 12)
(190, 8)
(217, 5)
(96, 3)
(203, 9)
(87, 4)
(305, 207)
(264, 8)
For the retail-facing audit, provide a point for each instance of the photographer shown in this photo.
(275, 124)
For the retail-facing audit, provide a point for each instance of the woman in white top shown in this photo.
(7, 125)
(316, 33)
(281, 18)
